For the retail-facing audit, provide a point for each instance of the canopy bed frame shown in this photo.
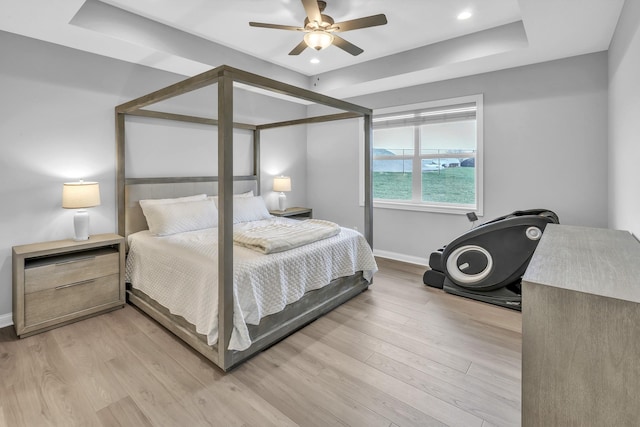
(129, 190)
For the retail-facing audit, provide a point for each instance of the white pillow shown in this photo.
(235, 196)
(249, 209)
(171, 218)
(148, 202)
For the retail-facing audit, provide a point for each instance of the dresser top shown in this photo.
(595, 261)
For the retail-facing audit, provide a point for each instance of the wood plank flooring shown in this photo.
(399, 354)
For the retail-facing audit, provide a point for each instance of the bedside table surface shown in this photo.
(56, 245)
(290, 211)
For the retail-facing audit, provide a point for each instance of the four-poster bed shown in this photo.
(312, 304)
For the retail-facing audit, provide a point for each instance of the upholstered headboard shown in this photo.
(134, 192)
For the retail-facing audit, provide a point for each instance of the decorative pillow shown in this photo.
(249, 209)
(171, 218)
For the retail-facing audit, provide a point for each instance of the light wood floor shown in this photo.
(399, 354)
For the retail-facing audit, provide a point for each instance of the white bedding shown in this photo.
(180, 272)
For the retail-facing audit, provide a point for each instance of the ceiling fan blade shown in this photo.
(312, 10)
(299, 48)
(354, 24)
(346, 46)
(275, 26)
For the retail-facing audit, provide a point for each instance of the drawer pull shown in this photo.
(75, 284)
(85, 258)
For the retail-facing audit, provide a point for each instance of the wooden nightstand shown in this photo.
(55, 283)
(294, 213)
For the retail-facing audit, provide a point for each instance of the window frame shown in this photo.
(450, 208)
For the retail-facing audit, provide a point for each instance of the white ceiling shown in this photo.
(422, 42)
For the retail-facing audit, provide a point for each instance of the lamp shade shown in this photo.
(80, 195)
(282, 183)
(318, 39)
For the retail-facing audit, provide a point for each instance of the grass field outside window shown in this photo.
(449, 185)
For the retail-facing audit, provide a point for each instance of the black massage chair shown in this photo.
(487, 262)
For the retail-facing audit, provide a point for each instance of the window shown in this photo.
(429, 156)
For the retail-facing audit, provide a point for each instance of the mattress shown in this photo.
(180, 272)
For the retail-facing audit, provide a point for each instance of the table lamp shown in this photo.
(282, 184)
(80, 195)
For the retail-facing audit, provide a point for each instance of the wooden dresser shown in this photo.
(55, 283)
(581, 329)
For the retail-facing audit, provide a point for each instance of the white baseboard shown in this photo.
(6, 320)
(401, 257)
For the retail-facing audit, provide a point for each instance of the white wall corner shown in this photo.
(6, 320)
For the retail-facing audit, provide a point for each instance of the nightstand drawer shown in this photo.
(70, 298)
(50, 272)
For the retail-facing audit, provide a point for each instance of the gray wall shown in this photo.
(545, 142)
(332, 172)
(624, 121)
(57, 125)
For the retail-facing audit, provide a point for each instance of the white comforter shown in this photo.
(180, 272)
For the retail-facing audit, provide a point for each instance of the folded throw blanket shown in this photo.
(278, 237)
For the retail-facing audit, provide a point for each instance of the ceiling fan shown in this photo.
(320, 30)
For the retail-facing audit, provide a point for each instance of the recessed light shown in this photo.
(314, 61)
(465, 14)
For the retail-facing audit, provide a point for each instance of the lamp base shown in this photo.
(81, 225)
(282, 201)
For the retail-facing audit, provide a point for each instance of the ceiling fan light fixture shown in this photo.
(318, 39)
(319, 28)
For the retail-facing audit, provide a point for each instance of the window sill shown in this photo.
(437, 208)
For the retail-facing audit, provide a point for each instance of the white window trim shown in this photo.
(437, 207)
